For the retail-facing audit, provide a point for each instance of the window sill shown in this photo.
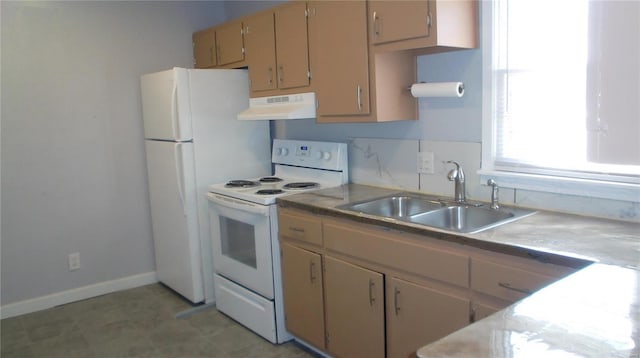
(562, 185)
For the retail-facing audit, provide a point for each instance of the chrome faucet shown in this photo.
(457, 175)
(494, 194)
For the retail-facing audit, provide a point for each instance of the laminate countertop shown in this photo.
(594, 312)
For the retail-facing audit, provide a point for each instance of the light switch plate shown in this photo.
(425, 162)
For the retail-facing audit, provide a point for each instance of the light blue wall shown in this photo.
(238, 8)
(73, 167)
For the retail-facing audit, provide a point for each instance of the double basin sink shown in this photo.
(441, 214)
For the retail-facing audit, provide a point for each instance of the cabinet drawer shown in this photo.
(506, 282)
(398, 254)
(301, 227)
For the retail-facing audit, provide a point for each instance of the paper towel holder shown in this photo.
(436, 89)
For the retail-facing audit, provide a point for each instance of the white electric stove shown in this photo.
(299, 166)
(244, 231)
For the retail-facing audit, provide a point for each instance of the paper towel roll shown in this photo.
(437, 89)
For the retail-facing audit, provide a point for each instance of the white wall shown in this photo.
(73, 167)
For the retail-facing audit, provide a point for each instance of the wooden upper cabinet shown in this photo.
(399, 20)
(204, 48)
(433, 25)
(260, 42)
(292, 45)
(340, 57)
(354, 306)
(229, 43)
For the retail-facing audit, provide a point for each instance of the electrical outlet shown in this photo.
(425, 162)
(74, 261)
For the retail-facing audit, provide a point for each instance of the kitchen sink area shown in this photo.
(445, 214)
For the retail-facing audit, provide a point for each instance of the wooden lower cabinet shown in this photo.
(303, 294)
(418, 315)
(354, 307)
(354, 290)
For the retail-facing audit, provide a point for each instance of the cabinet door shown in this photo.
(302, 292)
(418, 315)
(260, 44)
(204, 48)
(229, 43)
(292, 47)
(400, 20)
(338, 40)
(354, 310)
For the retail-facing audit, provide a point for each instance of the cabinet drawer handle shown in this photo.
(372, 299)
(312, 270)
(359, 97)
(396, 306)
(296, 229)
(509, 287)
(429, 20)
(376, 27)
(280, 74)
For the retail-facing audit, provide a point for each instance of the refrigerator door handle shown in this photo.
(180, 175)
(174, 111)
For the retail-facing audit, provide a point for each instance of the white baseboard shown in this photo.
(76, 294)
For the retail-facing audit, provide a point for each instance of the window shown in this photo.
(564, 102)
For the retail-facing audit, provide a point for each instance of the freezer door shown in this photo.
(174, 216)
(165, 105)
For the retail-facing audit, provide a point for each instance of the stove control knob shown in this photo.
(283, 152)
(319, 155)
(326, 155)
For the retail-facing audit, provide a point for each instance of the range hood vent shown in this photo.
(293, 106)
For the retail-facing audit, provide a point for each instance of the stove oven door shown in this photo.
(241, 236)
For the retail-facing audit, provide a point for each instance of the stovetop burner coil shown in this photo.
(269, 191)
(241, 184)
(301, 185)
(270, 179)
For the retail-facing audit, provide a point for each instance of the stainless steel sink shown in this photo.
(440, 214)
(468, 219)
(397, 206)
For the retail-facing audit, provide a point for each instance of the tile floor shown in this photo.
(139, 322)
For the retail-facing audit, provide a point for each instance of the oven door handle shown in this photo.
(238, 204)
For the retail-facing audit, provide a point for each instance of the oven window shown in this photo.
(238, 241)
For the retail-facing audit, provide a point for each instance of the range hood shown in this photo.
(293, 106)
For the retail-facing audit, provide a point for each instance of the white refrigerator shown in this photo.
(193, 139)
